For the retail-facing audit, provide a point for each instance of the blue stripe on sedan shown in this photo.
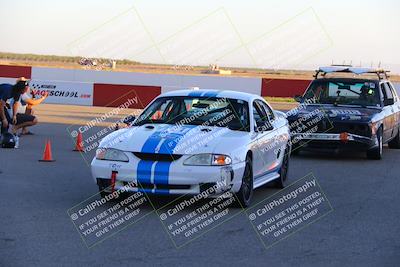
(143, 173)
(161, 170)
(210, 94)
(160, 191)
(195, 93)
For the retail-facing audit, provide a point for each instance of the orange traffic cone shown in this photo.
(79, 143)
(47, 156)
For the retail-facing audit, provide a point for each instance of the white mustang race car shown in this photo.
(188, 141)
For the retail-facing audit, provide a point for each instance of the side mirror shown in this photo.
(128, 120)
(264, 126)
(298, 98)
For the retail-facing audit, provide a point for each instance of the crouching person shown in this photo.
(25, 114)
(9, 116)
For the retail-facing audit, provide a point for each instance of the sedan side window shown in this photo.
(261, 119)
(268, 111)
(388, 96)
(383, 93)
(393, 92)
(257, 115)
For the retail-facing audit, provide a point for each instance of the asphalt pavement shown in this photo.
(362, 228)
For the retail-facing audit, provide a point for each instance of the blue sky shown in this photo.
(353, 30)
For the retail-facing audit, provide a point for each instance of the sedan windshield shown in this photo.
(344, 93)
(206, 111)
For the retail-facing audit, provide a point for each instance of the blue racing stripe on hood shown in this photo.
(143, 173)
(154, 139)
(166, 142)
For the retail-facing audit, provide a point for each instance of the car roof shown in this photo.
(355, 70)
(381, 74)
(213, 93)
(353, 79)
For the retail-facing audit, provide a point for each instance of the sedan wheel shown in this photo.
(395, 142)
(245, 193)
(283, 171)
(376, 152)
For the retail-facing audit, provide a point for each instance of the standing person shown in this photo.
(14, 92)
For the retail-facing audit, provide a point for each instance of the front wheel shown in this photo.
(376, 152)
(103, 194)
(295, 150)
(395, 142)
(104, 187)
(284, 170)
(245, 193)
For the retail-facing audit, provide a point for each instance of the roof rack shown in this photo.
(381, 73)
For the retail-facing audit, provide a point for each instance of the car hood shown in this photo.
(337, 113)
(172, 139)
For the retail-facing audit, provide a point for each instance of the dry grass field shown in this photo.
(132, 66)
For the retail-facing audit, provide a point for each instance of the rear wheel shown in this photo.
(245, 193)
(376, 152)
(281, 182)
(395, 142)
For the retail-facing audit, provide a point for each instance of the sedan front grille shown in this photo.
(157, 157)
(349, 127)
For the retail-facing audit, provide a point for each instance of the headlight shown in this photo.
(208, 160)
(111, 154)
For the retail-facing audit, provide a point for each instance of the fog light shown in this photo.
(226, 178)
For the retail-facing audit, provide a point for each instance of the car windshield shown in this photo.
(344, 93)
(206, 111)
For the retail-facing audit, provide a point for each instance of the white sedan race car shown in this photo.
(191, 141)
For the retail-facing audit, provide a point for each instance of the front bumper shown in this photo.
(331, 140)
(181, 179)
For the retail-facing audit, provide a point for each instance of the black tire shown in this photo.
(395, 142)
(245, 193)
(103, 194)
(104, 191)
(281, 182)
(376, 152)
(295, 149)
(104, 187)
